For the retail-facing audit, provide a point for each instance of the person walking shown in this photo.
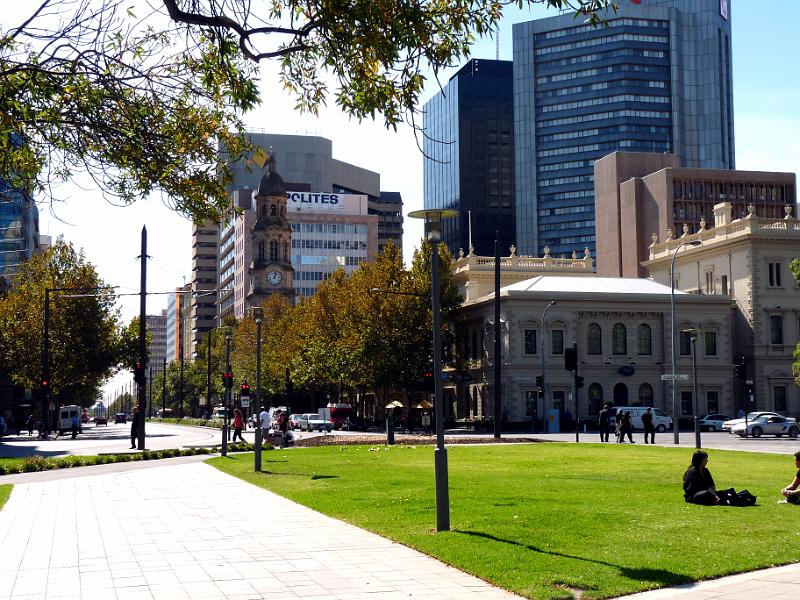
(627, 426)
(135, 423)
(426, 422)
(75, 424)
(649, 429)
(283, 427)
(29, 424)
(602, 422)
(619, 418)
(791, 492)
(237, 424)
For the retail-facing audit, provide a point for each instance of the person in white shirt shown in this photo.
(263, 418)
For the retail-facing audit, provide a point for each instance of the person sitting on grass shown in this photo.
(698, 484)
(792, 491)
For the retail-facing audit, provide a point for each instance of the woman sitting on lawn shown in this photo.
(698, 485)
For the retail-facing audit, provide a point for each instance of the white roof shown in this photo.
(598, 285)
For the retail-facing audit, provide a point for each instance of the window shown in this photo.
(774, 269)
(709, 282)
(646, 394)
(558, 400)
(594, 339)
(712, 402)
(686, 403)
(685, 343)
(619, 341)
(273, 210)
(710, 342)
(779, 393)
(273, 250)
(557, 341)
(595, 398)
(530, 341)
(530, 403)
(776, 329)
(261, 250)
(725, 284)
(645, 337)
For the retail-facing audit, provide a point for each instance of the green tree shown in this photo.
(86, 341)
(140, 95)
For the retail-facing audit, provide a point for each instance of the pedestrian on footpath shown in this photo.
(237, 424)
(283, 426)
(647, 422)
(618, 426)
(602, 422)
(426, 422)
(792, 491)
(75, 425)
(625, 423)
(29, 424)
(263, 422)
(135, 426)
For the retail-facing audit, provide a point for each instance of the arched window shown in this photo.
(595, 398)
(273, 250)
(645, 340)
(273, 211)
(594, 339)
(286, 251)
(619, 339)
(646, 394)
(620, 394)
(261, 250)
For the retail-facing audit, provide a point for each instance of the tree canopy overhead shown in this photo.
(140, 93)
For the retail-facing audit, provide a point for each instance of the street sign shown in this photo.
(676, 377)
(245, 402)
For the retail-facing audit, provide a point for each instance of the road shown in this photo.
(116, 438)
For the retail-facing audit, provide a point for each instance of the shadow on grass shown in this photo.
(315, 477)
(656, 576)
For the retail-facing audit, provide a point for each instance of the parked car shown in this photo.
(319, 423)
(303, 421)
(120, 418)
(728, 425)
(661, 420)
(712, 422)
(294, 421)
(767, 425)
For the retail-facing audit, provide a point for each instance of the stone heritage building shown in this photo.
(746, 260)
(638, 194)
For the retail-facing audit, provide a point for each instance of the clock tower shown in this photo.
(271, 269)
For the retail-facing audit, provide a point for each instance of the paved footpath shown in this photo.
(190, 531)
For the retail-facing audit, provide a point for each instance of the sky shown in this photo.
(766, 84)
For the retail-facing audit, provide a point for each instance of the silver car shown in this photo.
(768, 425)
(712, 422)
(729, 425)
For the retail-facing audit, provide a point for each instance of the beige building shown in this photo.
(641, 194)
(620, 328)
(747, 260)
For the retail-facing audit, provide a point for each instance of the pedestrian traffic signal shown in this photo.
(138, 373)
(570, 359)
(539, 381)
(246, 389)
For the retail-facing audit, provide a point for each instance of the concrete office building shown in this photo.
(638, 195)
(656, 79)
(178, 330)
(744, 259)
(468, 159)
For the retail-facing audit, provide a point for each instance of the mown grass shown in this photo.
(543, 519)
(5, 492)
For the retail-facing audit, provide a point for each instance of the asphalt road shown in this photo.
(116, 438)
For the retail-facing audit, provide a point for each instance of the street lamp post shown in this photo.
(544, 334)
(258, 317)
(696, 402)
(227, 392)
(433, 229)
(675, 414)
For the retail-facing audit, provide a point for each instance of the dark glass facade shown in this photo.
(469, 156)
(656, 79)
(19, 229)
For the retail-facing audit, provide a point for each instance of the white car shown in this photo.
(767, 425)
(713, 422)
(729, 425)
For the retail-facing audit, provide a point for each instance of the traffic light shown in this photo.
(570, 359)
(427, 381)
(138, 373)
(539, 381)
(227, 380)
(246, 390)
(45, 386)
(578, 382)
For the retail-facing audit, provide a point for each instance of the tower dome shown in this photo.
(272, 183)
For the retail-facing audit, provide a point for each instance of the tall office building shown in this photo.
(656, 79)
(469, 156)
(19, 229)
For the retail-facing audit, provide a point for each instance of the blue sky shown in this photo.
(766, 83)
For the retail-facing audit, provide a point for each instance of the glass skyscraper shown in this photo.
(657, 78)
(19, 229)
(469, 156)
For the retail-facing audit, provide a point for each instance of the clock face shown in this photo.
(274, 277)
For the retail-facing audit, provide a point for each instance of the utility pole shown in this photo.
(498, 414)
(142, 396)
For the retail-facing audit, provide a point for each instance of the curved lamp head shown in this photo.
(258, 314)
(228, 333)
(433, 221)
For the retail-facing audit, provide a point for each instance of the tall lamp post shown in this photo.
(675, 418)
(544, 334)
(227, 392)
(433, 230)
(258, 317)
(696, 403)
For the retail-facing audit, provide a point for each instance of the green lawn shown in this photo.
(540, 519)
(5, 492)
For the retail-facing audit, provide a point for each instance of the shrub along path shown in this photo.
(547, 520)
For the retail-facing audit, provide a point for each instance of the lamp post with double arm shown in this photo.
(258, 317)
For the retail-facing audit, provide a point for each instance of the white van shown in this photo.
(661, 420)
(65, 414)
